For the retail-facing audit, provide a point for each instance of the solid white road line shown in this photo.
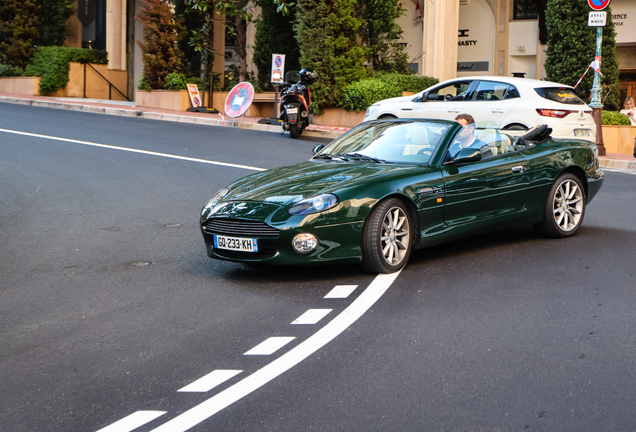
(106, 146)
(270, 346)
(312, 316)
(341, 291)
(216, 403)
(211, 380)
(133, 421)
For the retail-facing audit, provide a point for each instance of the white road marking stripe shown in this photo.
(216, 403)
(133, 421)
(211, 380)
(166, 155)
(270, 346)
(312, 316)
(341, 291)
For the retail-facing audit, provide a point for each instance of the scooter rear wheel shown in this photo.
(293, 131)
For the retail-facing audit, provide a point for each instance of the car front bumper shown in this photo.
(339, 242)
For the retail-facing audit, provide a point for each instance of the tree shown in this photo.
(52, 16)
(161, 31)
(275, 34)
(18, 31)
(572, 48)
(327, 31)
(379, 33)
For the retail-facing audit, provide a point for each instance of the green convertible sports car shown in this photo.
(390, 186)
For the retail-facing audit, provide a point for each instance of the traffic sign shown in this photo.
(598, 5)
(239, 99)
(278, 68)
(597, 19)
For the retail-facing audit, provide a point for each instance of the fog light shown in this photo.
(305, 243)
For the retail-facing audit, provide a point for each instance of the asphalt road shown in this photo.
(109, 305)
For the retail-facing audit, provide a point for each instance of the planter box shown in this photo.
(29, 86)
(619, 139)
(339, 117)
(176, 100)
(95, 87)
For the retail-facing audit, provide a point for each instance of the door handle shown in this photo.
(497, 111)
(518, 169)
(453, 111)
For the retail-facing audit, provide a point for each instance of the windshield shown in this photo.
(388, 141)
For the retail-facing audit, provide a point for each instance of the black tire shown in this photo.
(293, 130)
(386, 243)
(564, 207)
(386, 116)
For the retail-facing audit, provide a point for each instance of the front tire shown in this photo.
(386, 239)
(564, 208)
(293, 131)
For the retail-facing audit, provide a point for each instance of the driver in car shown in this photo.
(466, 137)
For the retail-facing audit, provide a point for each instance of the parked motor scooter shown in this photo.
(295, 101)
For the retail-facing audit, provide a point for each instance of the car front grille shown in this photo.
(241, 228)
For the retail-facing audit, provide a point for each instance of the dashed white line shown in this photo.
(127, 149)
(341, 291)
(133, 421)
(270, 346)
(326, 334)
(211, 380)
(312, 316)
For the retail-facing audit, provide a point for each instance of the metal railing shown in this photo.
(111, 86)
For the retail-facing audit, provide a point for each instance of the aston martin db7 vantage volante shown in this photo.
(388, 187)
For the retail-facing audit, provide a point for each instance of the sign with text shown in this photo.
(86, 11)
(195, 98)
(278, 68)
(597, 19)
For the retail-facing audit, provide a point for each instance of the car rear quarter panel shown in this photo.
(548, 160)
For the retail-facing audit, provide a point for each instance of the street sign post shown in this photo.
(595, 103)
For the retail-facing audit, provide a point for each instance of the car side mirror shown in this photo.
(318, 148)
(465, 155)
(420, 98)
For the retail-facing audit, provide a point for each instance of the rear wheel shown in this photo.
(386, 239)
(564, 208)
(293, 130)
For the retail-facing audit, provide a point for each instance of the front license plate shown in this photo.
(292, 110)
(236, 243)
(581, 132)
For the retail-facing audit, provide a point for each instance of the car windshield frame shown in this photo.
(396, 141)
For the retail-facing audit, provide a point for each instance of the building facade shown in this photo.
(444, 38)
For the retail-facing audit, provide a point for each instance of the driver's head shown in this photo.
(465, 119)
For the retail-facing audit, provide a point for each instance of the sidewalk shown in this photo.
(128, 109)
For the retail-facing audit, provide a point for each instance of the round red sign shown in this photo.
(239, 99)
(598, 5)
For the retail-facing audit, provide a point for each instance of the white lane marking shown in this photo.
(270, 346)
(216, 403)
(341, 291)
(312, 316)
(211, 380)
(133, 421)
(166, 155)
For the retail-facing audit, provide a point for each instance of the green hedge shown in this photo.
(53, 64)
(614, 118)
(10, 71)
(362, 94)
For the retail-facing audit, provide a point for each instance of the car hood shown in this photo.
(287, 185)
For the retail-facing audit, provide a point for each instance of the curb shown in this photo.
(616, 163)
(317, 133)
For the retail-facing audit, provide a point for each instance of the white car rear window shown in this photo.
(562, 95)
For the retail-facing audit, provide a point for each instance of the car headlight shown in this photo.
(370, 111)
(314, 204)
(205, 212)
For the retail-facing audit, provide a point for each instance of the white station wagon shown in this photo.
(512, 103)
